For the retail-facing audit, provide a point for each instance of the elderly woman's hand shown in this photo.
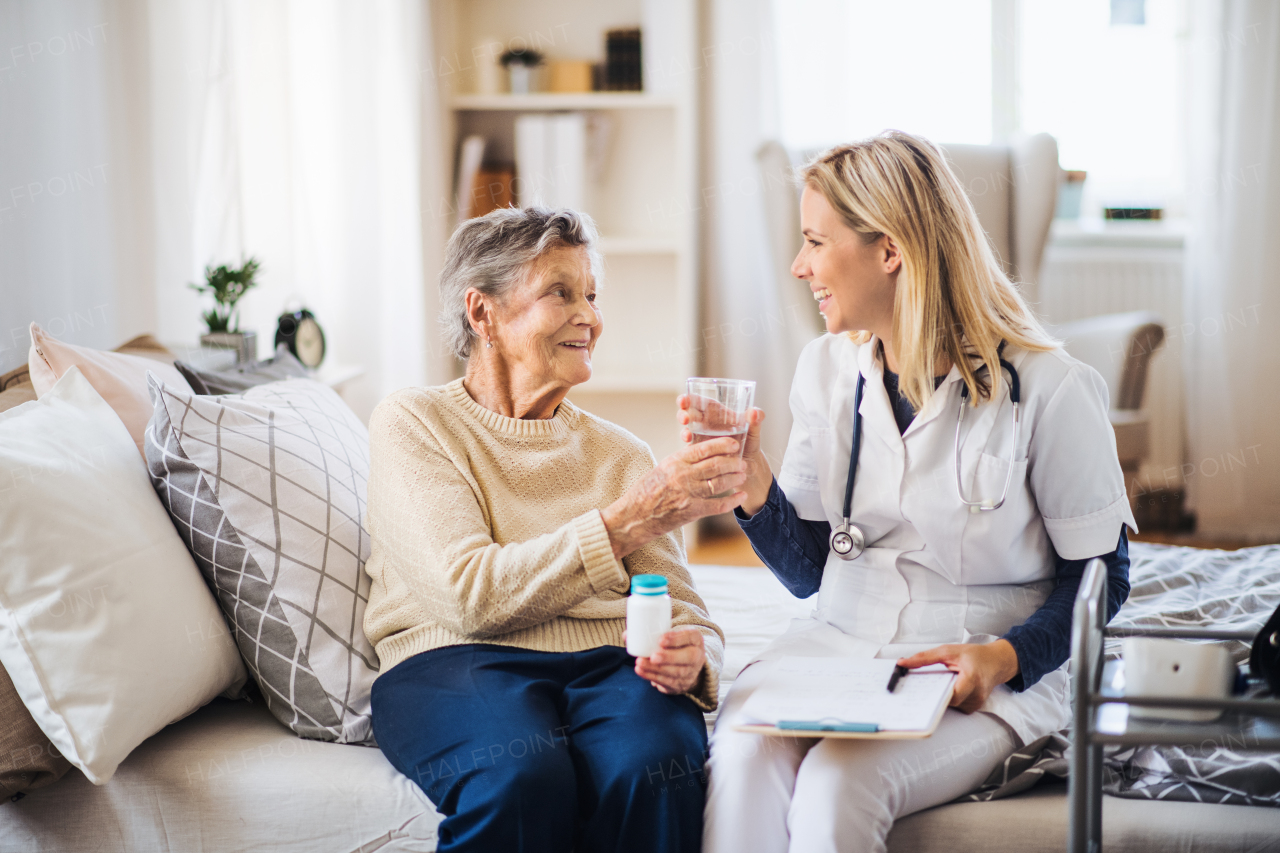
(759, 474)
(675, 667)
(678, 491)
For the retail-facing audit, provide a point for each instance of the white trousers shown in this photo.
(805, 795)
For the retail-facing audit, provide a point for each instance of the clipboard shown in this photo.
(854, 688)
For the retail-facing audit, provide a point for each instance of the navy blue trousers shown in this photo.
(540, 751)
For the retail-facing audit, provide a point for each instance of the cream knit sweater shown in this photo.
(487, 529)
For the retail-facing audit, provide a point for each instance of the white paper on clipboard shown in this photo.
(849, 691)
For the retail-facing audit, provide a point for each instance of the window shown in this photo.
(851, 68)
(1109, 93)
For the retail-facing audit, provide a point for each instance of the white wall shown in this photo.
(75, 222)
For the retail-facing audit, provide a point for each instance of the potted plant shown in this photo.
(520, 65)
(228, 285)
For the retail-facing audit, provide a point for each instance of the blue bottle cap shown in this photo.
(648, 585)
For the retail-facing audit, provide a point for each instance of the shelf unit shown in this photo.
(565, 101)
(638, 245)
(644, 200)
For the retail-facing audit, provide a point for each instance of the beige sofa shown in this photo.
(232, 778)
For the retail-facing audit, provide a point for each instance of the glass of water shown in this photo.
(720, 408)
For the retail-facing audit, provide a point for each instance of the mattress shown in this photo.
(231, 778)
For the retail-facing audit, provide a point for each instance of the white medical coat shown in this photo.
(933, 572)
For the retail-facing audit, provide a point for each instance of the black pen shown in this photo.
(898, 671)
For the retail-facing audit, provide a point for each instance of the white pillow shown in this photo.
(106, 627)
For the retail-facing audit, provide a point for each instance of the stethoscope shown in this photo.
(847, 540)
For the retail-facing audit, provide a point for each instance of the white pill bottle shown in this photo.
(648, 614)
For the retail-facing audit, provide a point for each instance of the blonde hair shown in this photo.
(953, 297)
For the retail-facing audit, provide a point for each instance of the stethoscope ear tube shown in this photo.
(1015, 397)
(847, 540)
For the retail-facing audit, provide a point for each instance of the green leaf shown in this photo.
(228, 285)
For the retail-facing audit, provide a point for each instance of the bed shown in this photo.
(230, 778)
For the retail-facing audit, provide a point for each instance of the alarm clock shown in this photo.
(299, 331)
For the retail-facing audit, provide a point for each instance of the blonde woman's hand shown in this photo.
(679, 490)
(675, 666)
(759, 474)
(981, 666)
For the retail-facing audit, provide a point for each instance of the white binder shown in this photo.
(843, 697)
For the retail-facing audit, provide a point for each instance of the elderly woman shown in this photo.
(506, 524)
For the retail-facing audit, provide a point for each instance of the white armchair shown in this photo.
(1120, 346)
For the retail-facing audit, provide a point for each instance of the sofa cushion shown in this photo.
(1036, 822)
(106, 629)
(28, 759)
(121, 378)
(20, 375)
(16, 387)
(282, 365)
(16, 395)
(229, 778)
(268, 490)
(147, 347)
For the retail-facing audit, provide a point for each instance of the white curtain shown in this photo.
(75, 213)
(754, 324)
(292, 131)
(301, 132)
(1233, 293)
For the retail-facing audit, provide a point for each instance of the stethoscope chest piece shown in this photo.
(847, 541)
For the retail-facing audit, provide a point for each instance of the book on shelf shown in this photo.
(551, 160)
(470, 158)
(482, 187)
(622, 62)
(493, 188)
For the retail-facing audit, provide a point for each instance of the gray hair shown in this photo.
(491, 254)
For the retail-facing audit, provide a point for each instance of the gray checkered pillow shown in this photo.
(268, 490)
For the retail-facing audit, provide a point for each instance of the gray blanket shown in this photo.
(1175, 587)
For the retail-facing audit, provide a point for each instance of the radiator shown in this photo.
(1086, 274)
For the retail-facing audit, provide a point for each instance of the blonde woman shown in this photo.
(914, 556)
